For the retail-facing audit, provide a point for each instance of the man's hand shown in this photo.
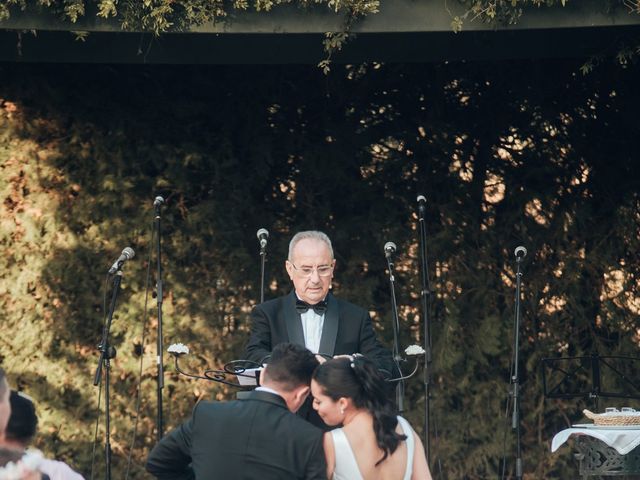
(344, 355)
(350, 357)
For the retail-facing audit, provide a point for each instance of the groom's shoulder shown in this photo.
(303, 427)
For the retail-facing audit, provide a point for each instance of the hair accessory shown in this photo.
(354, 357)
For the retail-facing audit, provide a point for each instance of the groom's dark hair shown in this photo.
(290, 366)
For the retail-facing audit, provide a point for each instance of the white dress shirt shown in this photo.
(312, 324)
(266, 389)
(59, 470)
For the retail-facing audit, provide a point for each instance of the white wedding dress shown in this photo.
(346, 465)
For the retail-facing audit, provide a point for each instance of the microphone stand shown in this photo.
(263, 255)
(515, 380)
(425, 295)
(396, 334)
(159, 296)
(107, 352)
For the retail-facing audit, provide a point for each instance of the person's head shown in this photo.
(344, 386)
(5, 407)
(289, 373)
(310, 265)
(23, 422)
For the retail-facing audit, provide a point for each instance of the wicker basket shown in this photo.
(616, 419)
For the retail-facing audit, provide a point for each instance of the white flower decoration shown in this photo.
(11, 471)
(178, 349)
(413, 350)
(28, 464)
(32, 459)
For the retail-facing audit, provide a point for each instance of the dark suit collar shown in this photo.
(292, 320)
(268, 397)
(330, 327)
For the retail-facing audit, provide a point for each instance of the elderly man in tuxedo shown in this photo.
(310, 315)
(257, 437)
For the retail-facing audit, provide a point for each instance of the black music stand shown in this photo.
(591, 377)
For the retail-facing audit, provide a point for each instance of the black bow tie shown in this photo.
(303, 307)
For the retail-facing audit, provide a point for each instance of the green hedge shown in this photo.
(545, 160)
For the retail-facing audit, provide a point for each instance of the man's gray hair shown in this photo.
(313, 234)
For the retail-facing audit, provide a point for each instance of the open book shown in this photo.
(249, 377)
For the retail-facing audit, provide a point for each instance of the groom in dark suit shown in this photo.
(254, 438)
(311, 316)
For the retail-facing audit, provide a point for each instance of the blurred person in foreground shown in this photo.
(21, 430)
(257, 437)
(5, 406)
(15, 464)
(372, 442)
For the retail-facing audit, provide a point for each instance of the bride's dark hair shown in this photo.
(360, 380)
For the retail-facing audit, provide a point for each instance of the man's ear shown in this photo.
(296, 398)
(302, 393)
(289, 268)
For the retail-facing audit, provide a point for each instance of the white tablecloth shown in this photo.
(622, 440)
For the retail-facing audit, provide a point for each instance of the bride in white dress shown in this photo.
(373, 443)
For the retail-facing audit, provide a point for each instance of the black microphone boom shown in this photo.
(127, 254)
(520, 252)
(263, 235)
(422, 202)
(389, 249)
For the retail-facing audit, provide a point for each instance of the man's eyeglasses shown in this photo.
(323, 270)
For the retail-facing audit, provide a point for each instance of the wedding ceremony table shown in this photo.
(603, 450)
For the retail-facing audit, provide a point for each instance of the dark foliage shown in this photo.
(507, 154)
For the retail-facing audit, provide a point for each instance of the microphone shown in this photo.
(126, 254)
(262, 235)
(520, 252)
(158, 201)
(389, 250)
(422, 203)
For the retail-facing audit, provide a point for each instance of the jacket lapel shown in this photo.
(292, 320)
(330, 327)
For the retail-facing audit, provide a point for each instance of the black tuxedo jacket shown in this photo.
(347, 329)
(250, 439)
